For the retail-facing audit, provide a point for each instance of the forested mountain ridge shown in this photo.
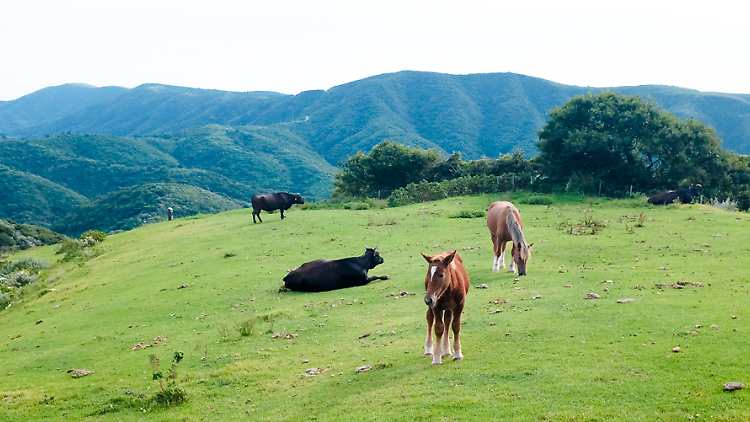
(478, 114)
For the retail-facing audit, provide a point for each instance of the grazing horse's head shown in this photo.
(438, 278)
(521, 254)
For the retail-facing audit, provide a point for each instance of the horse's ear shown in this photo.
(449, 258)
(428, 258)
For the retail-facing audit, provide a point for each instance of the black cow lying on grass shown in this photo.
(274, 201)
(668, 196)
(324, 275)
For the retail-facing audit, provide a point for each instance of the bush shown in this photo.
(537, 200)
(30, 265)
(469, 214)
(97, 235)
(20, 279)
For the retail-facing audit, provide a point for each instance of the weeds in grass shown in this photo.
(469, 214)
(229, 254)
(380, 221)
(245, 326)
(586, 226)
(223, 330)
(170, 393)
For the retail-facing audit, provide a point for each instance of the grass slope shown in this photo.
(201, 282)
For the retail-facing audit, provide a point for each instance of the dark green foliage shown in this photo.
(621, 140)
(469, 214)
(430, 191)
(387, 167)
(132, 207)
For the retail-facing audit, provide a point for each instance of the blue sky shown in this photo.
(293, 46)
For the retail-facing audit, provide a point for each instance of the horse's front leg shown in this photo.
(500, 253)
(513, 253)
(439, 331)
(448, 319)
(428, 344)
(457, 355)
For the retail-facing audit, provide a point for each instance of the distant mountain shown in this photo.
(52, 103)
(480, 114)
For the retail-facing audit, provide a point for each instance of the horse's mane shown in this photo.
(517, 235)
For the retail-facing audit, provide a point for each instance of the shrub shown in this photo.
(20, 278)
(97, 235)
(170, 394)
(31, 265)
(537, 200)
(469, 214)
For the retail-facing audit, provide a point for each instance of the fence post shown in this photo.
(513, 183)
(497, 185)
(631, 190)
(600, 188)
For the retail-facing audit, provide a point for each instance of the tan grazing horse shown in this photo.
(505, 226)
(447, 284)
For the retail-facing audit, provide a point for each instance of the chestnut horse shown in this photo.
(505, 226)
(447, 284)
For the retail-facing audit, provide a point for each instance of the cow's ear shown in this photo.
(530, 245)
(449, 258)
(428, 258)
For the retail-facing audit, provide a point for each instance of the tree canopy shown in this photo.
(623, 140)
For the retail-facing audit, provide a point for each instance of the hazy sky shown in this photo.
(291, 46)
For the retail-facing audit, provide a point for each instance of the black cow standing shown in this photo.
(274, 201)
(668, 196)
(324, 275)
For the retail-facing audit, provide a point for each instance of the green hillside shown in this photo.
(235, 163)
(478, 114)
(135, 206)
(535, 348)
(31, 199)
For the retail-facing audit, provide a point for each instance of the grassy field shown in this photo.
(535, 348)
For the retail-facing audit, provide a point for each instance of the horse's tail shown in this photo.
(516, 234)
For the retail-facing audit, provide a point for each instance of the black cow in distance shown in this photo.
(668, 196)
(324, 275)
(274, 201)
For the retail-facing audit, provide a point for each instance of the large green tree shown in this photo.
(622, 140)
(387, 167)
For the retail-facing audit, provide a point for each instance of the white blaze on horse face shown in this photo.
(432, 272)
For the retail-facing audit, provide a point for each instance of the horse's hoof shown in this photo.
(458, 358)
(436, 363)
(496, 270)
(428, 354)
(447, 355)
